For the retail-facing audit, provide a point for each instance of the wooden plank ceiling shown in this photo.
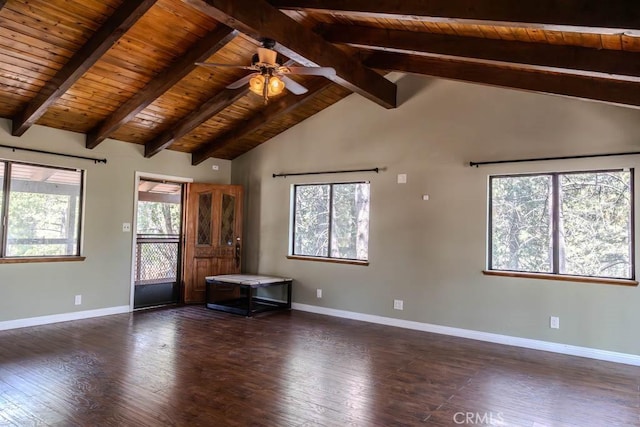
(126, 69)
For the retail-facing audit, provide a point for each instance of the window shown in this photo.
(41, 207)
(578, 224)
(331, 221)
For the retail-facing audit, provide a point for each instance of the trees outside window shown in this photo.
(577, 223)
(331, 220)
(42, 207)
(158, 218)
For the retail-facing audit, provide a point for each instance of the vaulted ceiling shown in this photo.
(126, 69)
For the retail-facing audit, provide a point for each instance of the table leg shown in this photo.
(249, 301)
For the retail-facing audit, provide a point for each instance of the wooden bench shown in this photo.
(236, 293)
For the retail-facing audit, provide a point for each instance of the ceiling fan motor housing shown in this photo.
(268, 43)
(255, 60)
(267, 57)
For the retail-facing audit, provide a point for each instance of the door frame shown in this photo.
(134, 223)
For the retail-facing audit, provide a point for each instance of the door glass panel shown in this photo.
(204, 219)
(159, 208)
(228, 219)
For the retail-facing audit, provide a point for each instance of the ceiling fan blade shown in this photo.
(327, 72)
(293, 86)
(243, 81)
(213, 64)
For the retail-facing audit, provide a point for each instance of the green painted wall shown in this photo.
(431, 253)
(103, 279)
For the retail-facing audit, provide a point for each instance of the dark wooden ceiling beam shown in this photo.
(201, 51)
(258, 19)
(575, 59)
(570, 15)
(115, 27)
(618, 92)
(276, 108)
(200, 115)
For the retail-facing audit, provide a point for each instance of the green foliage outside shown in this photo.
(350, 226)
(157, 260)
(521, 220)
(594, 224)
(158, 218)
(312, 220)
(42, 224)
(348, 221)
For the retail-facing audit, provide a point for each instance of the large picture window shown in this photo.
(578, 224)
(41, 207)
(331, 220)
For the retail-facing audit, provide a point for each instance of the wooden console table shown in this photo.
(236, 293)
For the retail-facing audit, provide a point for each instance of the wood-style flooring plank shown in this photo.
(189, 366)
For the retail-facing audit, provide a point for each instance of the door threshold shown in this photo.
(153, 307)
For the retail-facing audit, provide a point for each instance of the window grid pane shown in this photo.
(595, 224)
(521, 223)
(350, 221)
(311, 228)
(43, 211)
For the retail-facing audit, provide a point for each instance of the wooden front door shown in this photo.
(213, 235)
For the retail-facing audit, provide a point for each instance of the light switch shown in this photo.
(402, 178)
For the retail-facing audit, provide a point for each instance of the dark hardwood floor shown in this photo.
(189, 366)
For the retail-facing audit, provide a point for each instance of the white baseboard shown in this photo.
(591, 353)
(63, 317)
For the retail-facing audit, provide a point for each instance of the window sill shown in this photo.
(332, 260)
(560, 277)
(25, 260)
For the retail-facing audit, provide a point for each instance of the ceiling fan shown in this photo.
(269, 77)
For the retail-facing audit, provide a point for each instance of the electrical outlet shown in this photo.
(402, 178)
(318, 293)
(126, 227)
(398, 304)
(78, 299)
(554, 322)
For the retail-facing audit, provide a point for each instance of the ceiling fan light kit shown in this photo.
(269, 78)
(266, 85)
